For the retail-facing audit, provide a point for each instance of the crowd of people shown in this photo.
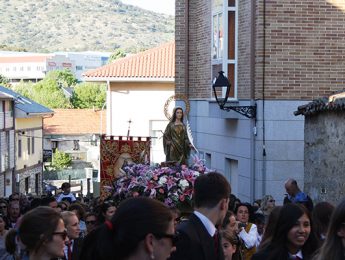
(220, 227)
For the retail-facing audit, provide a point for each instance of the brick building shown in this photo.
(277, 56)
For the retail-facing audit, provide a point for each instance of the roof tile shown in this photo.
(158, 62)
(75, 122)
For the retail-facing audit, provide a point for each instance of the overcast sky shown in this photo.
(160, 6)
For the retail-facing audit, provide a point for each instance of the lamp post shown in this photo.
(221, 88)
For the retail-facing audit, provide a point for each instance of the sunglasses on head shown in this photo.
(172, 237)
(63, 234)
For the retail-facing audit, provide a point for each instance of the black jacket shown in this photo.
(195, 243)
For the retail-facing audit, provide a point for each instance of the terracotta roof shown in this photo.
(158, 62)
(16, 59)
(75, 122)
(334, 102)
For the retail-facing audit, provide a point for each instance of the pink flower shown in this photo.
(181, 197)
(161, 190)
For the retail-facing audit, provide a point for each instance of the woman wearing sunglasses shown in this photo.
(142, 228)
(42, 232)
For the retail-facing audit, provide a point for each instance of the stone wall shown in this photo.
(324, 155)
(31, 173)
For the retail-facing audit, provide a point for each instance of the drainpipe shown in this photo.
(252, 97)
(186, 77)
(263, 103)
(109, 110)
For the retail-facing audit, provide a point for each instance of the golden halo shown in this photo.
(174, 98)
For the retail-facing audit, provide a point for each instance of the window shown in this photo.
(27, 182)
(208, 159)
(231, 174)
(28, 143)
(32, 144)
(37, 179)
(76, 145)
(224, 26)
(19, 148)
(54, 145)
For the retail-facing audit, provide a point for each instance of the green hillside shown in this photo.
(80, 25)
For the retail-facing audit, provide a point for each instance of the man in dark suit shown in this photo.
(198, 236)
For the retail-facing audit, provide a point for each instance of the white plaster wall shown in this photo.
(141, 107)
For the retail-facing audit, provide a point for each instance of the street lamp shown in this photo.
(221, 88)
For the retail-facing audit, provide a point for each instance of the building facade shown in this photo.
(138, 87)
(27, 143)
(28, 66)
(277, 55)
(7, 147)
(17, 66)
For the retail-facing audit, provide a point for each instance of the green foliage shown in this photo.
(46, 92)
(5, 47)
(117, 54)
(64, 78)
(55, 25)
(4, 81)
(61, 160)
(89, 95)
(24, 88)
(49, 94)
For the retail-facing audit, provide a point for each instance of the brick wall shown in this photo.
(244, 31)
(199, 48)
(305, 48)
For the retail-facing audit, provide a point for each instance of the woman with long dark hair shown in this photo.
(142, 228)
(42, 232)
(334, 245)
(292, 238)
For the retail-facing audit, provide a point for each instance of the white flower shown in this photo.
(196, 174)
(162, 180)
(183, 184)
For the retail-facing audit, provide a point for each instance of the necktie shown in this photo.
(69, 250)
(215, 239)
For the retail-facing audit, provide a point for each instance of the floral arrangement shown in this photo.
(171, 185)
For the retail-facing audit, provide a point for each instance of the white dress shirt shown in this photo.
(249, 238)
(211, 229)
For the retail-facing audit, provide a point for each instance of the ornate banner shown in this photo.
(117, 150)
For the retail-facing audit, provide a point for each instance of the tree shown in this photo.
(4, 81)
(117, 54)
(64, 78)
(24, 88)
(61, 160)
(49, 94)
(88, 95)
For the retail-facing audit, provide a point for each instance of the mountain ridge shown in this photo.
(80, 25)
